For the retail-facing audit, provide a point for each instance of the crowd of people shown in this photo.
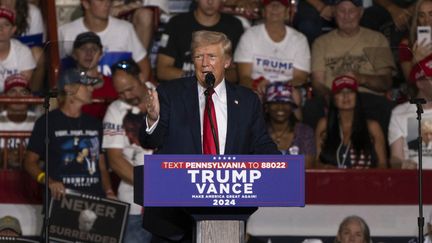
(323, 75)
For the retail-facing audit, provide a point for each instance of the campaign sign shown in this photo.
(84, 218)
(109, 59)
(223, 181)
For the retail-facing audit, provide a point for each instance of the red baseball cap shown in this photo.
(343, 82)
(16, 80)
(422, 69)
(7, 14)
(284, 2)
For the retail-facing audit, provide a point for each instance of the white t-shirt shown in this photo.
(35, 20)
(19, 59)
(8, 125)
(403, 123)
(115, 137)
(119, 40)
(274, 61)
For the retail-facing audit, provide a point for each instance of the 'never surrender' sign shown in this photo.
(228, 180)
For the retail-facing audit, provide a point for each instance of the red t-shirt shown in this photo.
(106, 92)
(405, 54)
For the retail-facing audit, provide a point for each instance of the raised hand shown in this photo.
(153, 106)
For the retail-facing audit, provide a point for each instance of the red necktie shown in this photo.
(209, 145)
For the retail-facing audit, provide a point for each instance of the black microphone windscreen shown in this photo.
(210, 80)
(418, 101)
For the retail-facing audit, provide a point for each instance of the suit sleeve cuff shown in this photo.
(150, 130)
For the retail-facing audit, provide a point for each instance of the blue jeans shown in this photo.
(135, 233)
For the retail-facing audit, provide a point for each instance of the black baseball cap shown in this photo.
(358, 3)
(87, 37)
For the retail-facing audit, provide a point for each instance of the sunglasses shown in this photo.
(89, 81)
(123, 65)
(128, 66)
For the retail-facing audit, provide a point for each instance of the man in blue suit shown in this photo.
(176, 117)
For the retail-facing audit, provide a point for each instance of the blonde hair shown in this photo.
(63, 94)
(205, 38)
(414, 22)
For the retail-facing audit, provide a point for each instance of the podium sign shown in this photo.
(223, 181)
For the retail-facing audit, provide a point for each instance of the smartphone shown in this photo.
(424, 34)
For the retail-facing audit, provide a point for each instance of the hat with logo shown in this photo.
(15, 80)
(76, 76)
(7, 14)
(358, 3)
(344, 82)
(422, 69)
(280, 92)
(12, 223)
(284, 2)
(87, 37)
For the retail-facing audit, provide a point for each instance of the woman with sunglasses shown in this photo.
(87, 51)
(75, 157)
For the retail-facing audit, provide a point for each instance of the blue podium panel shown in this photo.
(223, 181)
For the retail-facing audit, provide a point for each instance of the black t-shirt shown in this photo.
(74, 149)
(176, 40)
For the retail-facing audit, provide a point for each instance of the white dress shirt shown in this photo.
(220, 104)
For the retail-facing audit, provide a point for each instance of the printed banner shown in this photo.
(223, 181)
(83, 218)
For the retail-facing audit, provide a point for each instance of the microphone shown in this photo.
(210, 80)
(418, 101)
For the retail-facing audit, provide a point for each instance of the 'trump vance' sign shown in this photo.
(228, 180)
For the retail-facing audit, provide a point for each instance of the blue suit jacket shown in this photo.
(179, 132)
(179, 128)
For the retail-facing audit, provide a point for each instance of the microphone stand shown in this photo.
(420, 220)
(46, 106)
(215, 138)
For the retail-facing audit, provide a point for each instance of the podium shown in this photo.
(220, 192)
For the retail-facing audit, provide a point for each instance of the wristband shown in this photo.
(41, 177)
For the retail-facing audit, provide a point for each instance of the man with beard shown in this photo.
(121, 126)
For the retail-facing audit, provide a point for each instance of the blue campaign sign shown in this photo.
(110, 58)
(228, 180)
